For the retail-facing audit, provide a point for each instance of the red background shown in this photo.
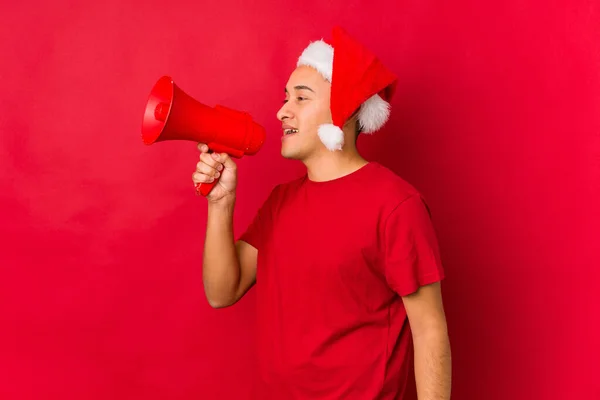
(496, 121)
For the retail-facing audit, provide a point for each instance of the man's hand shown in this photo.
(212, 166)
(427, 321)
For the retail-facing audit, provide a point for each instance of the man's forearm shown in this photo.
(221, 268)
(433, 366)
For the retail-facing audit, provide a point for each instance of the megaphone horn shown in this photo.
(171, 114)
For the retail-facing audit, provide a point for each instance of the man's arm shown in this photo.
(229, 268)
(433, 364)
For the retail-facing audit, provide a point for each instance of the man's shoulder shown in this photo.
(390, 186)
(284, 188)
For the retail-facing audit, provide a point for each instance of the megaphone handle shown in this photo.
(205, 188)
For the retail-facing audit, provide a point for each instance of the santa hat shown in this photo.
(358, 79)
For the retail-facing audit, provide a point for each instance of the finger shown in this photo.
(206, 169)
(198, 177)
(224, 159)
(203, 147)
(210, 160)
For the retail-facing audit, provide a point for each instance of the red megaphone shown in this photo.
(171, 114)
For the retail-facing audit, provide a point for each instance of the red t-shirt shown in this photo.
(333, 260)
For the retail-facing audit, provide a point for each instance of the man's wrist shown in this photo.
(224, 204)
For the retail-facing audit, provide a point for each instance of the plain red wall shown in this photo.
(496, 121)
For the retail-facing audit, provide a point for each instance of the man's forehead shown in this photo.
(304, 76)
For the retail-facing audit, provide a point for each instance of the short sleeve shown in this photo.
(259, 228)
(411, 255)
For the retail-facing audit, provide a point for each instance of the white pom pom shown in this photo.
(331, 136)
(373, 114)
(318, 55)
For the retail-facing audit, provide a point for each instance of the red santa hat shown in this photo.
(358, 79)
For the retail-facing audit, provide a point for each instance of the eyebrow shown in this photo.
(300, 87)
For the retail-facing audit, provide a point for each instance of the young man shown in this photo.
(345, 258)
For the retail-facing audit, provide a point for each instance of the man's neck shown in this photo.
(331, 165)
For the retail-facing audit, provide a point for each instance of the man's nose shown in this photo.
(284, 112)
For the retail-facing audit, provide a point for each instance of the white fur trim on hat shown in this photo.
(331, 136)
(373, 114)
(318, 55)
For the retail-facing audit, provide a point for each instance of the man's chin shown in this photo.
(289, 154)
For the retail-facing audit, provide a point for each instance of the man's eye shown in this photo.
(301, 98)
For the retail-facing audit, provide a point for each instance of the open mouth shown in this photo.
(289, 131)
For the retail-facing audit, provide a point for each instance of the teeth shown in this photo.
(290, 131)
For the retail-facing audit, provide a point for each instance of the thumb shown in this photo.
(202, 147)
